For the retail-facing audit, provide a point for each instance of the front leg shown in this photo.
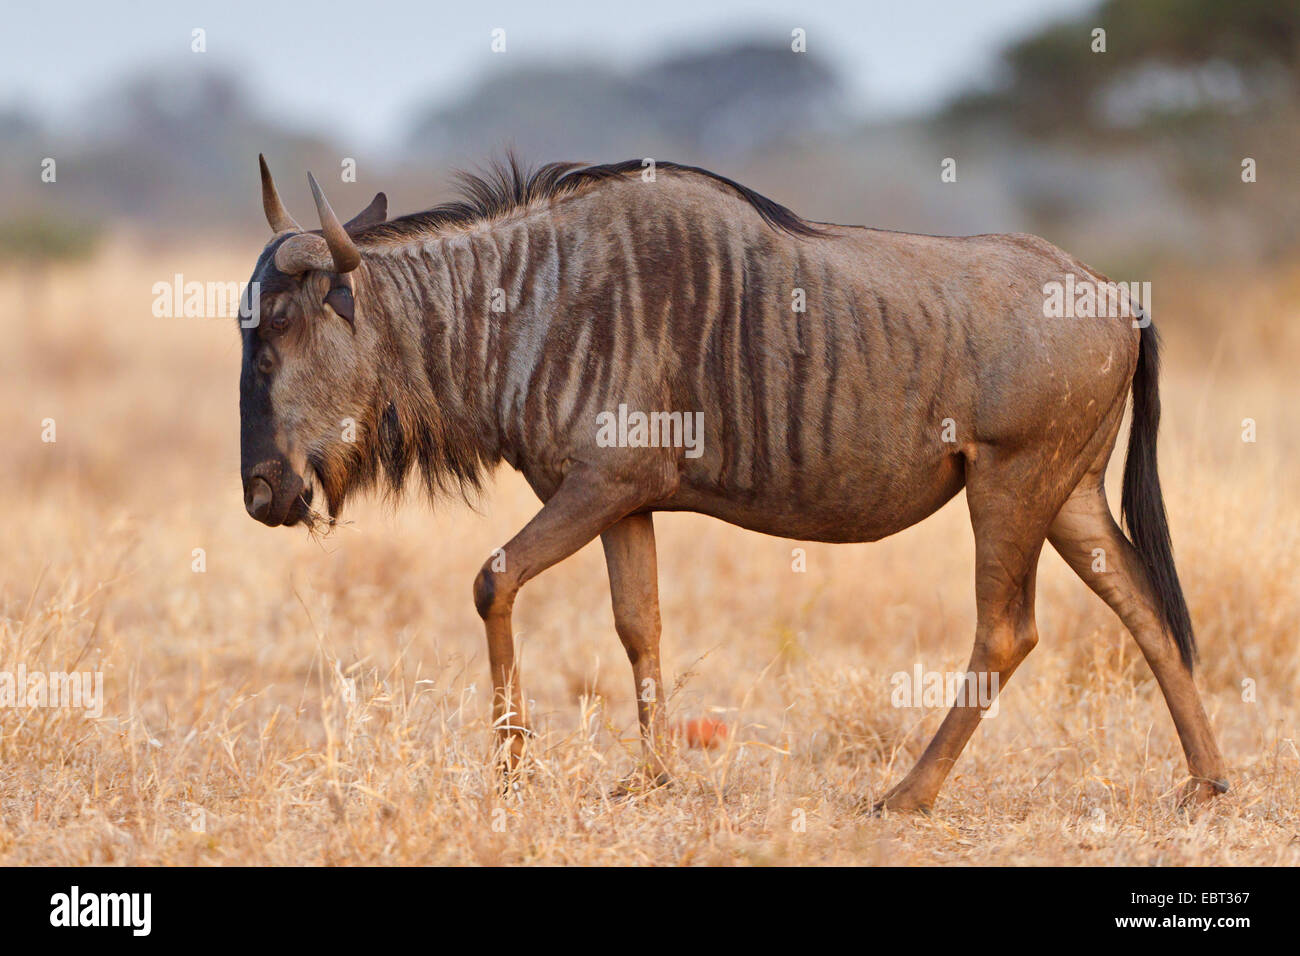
(584, 505)
(634, 587)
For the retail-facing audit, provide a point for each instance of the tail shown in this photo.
(1141, 504)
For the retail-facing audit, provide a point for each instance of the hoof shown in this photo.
(514, 781)
(1200, 791)
(895, 803)
(514, 770)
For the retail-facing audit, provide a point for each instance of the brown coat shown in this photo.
(828, 383)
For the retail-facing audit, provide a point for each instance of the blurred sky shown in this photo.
(362, 67)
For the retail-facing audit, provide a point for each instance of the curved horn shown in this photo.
(346, 255)
(276, 214)
(303, 253)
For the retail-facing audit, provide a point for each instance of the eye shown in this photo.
(279, 322)
(265, 362)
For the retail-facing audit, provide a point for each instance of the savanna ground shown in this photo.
(230, 733)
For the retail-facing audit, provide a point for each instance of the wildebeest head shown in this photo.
(305, 379)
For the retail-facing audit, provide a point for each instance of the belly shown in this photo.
(863, 504)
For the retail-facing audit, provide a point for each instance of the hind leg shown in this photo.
(1084, 526)
(1009, 532)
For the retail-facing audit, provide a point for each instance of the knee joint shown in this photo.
(637, 628)
(639, 638)
(1026, 639)
(1004, 648)
(493, 591)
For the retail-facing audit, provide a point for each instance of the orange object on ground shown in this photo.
(703, 733)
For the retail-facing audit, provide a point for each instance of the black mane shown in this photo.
(506, 186)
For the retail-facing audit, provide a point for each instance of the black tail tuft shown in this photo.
(1142, 506)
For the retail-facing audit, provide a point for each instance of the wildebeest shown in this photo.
(850, 382)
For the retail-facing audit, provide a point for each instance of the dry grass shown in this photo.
(225, 688)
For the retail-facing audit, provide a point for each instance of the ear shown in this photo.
(372, 215)
(339, 298)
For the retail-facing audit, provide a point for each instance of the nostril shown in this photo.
(257, 498)
(269, 471)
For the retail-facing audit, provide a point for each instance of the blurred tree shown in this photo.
(1163, 57)
(718, 102)
(43, 240)
(32, 245)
